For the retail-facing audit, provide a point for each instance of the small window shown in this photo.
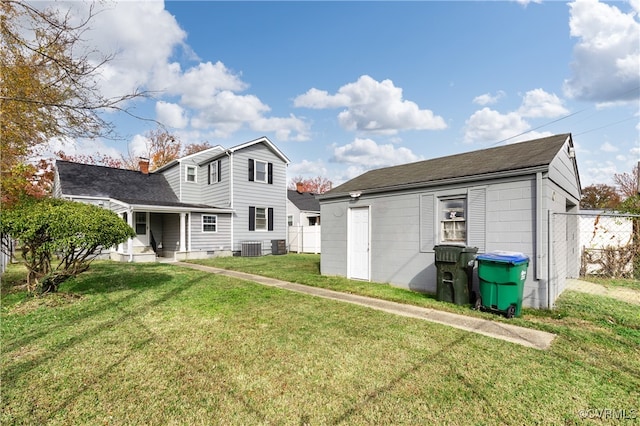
(261, 219)
(209, 223)
(261, 171)
(141, 223)
(214, 173)
(453, 226)
(290, 220)
(191, 174)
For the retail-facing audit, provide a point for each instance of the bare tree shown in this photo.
(48, 87)
(628, 182)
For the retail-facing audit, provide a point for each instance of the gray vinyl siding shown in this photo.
(210, 241)
(191, 192)
(171, 232)
(172, 175)
(259, 194)
(216, 194)
(562, 172)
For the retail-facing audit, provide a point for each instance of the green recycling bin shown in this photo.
(501, 277)
(454, 266)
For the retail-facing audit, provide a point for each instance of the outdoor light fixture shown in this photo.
(355, 194)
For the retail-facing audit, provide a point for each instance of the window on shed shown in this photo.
(209, 223)
(191, 174)
(453, 224)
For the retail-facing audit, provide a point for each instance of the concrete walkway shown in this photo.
(510, 333)
(621, 293)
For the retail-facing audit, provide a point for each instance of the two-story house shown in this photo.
(215, 202)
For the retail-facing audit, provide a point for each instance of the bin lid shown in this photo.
(513, 257)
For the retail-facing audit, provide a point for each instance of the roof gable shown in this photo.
(509, 158)
(263, 140)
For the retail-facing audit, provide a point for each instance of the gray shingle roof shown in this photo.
(128, 186)
(305, 201)
(517, 156)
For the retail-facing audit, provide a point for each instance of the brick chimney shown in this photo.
(144, 165)
(300, 187)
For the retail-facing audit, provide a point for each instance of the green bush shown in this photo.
(74, 232)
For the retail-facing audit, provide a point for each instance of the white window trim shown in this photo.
(255, 171)
(266, 219)
(195, 174)
(213, 172)
(214, 224)
(441, 220)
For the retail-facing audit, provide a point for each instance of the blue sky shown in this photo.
(343, 87)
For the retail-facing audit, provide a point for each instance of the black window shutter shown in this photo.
(270, 218)
(219, 170)
(251, 170)
(270, 172)
(209, 174)
(252, 218)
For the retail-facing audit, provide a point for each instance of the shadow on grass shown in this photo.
(105, 280)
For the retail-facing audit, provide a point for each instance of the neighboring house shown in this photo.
(303, 218)
(383, 225)
(215, 202)
(303, 208)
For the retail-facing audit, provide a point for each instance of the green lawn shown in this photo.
(160, 344)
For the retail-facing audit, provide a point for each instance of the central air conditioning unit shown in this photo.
(251, 249)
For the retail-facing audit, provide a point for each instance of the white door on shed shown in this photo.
(358, 243)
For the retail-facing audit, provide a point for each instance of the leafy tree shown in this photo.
(196, 147)
(599, 196)
(628, 182)
(48, 89)
(74, 232)
(316, 185)
(161, 148)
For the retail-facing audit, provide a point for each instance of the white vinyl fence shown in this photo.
(304, 239)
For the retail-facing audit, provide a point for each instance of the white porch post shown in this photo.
(183, 236)
(130, 220)
(189, 232)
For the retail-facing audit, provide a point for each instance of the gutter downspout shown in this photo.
(230, 156)
(540, 257)
(550, 245)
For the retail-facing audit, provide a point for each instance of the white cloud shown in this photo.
(143, 37)
(538, 103)
(374, 107)
(607, 55)
(138, 146)
(79, 147)
(607, 147)
(368, 152)
(320, 99)
(488, 98)
(290, 128)
(307, 168)
(171, 115)
(598, 172)
(488, 125)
